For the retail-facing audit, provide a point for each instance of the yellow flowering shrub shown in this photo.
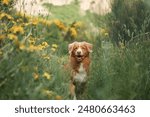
(31, 40)
(5, 2)
(17, 29)
(59, 24)
(2, 36)
(12, 37)
(5, 15)
(44, 44)
(24, 40)
(22, 46)
(73, 32)
(77, 24)
(34, 21)
(45, 22)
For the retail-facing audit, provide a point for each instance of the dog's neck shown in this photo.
(75, 65)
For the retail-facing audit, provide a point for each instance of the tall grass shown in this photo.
(120, 73)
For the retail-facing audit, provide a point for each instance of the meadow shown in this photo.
(34, 50)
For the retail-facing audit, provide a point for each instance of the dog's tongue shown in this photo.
(79, 58)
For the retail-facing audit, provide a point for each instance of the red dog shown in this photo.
(79, 63)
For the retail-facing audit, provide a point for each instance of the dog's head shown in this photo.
(80, 50)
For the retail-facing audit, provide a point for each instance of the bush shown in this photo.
(129, 18)
(120, 73)
(30, 57)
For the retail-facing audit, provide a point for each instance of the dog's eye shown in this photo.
(83, 47)
(75, 48)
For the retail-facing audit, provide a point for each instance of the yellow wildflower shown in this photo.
(46, 57)
(45, 22)
(53, 49)
(31, 40)
(34, 21)
(2, 36)
(26, 24)
(35, 76)
(16, 42)
(58, 97)
(12, 37)
(21, 46)
(17, 29)
(32, 48)
(40, 47)
(47, 75)
(45, 44)
(6, 2)
(73, 32)
(54, 46)
(2, 15)
(77, 24)
(59, 24)
(106, 34)
(48, 93)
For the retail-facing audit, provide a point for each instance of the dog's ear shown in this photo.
(70, 47)
(89, 46)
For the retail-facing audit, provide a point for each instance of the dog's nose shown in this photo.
(78, 52)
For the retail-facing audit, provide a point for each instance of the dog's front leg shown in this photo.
(72, 91)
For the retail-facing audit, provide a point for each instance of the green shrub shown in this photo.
(120, 73)
(130, 18)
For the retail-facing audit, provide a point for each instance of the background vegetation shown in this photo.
(33, 51)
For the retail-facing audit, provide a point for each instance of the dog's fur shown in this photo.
(79, 63)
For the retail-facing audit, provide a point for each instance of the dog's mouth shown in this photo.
(79, 57)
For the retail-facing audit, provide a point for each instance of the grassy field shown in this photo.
(34, 50)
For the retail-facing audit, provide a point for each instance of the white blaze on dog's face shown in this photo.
(80, 50)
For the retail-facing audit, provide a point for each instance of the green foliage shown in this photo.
(29, 57)
(130, 18)
(7, 6)
(120, 73)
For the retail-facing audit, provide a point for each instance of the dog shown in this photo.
(79, 63)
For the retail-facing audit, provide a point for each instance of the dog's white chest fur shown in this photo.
(81, 76)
